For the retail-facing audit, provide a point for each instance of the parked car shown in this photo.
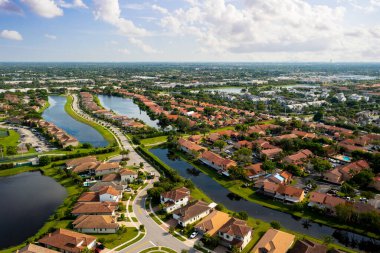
(193, 235)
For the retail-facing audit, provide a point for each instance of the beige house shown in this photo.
(96, 224)
(274, 241)
(128, 176)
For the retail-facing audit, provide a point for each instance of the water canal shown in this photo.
(84, 133)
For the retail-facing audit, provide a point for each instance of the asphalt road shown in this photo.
(155, 235)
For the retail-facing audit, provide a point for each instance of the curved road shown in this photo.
(155, 235)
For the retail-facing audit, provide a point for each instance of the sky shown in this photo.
(190, 30)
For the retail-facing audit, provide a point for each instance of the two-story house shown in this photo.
(172, 200)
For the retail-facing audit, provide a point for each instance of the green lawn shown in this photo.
(132, 242)
(10, 139)
(154, 140)
(113, 240)
(102, 130)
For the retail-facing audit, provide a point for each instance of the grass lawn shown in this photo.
(102, 130)
(10, 139)
(44, 107)
(14, 171)
(113, 240)
(132, 242)
(154, 140)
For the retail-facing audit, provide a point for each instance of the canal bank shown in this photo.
(221, 195)
(47, 217)
(126, 107)
(57, 115)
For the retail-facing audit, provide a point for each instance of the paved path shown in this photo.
(155, 235)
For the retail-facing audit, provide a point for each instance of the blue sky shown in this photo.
(190, 30)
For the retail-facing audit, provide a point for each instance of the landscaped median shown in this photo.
(158, 250)
(102, 130)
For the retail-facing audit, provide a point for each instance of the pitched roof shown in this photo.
(306, 246)
(333, 201)
(317, 197)
(176, 194)
(111, 177)
(190, 145)
(217, 160)
(274, 241)
(299, 156)
(235, 227)
(213, 222)
(128, 172)
(191, 210)
(270, 186)
(94, 207)
(95, 221)
(89, 197)
(32, 248)
(271, 152)
(85, 166)
(67, 240)
(107, 166)
(290, 191)
(109, 190)
(254, 169)
(77, 161)
(354, 167)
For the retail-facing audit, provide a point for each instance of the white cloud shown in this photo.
(160, 9)
(141, 45)
(7, 6)
(10, 35)
(49, 36)
(109, 12)
(44, 8)
(73, 4)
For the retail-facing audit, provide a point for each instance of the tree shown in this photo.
(320, 165)
(348, 190)
(275, 224)
(362, 179)
(318, 116)
(243, 155)
(11, 150)
(220, 144)
(294, 169)
(328, 239)
(268, 166)
(44, 160)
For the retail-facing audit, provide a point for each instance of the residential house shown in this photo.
(290, 193)
(128, 176)
(96, 224)
(68, 241)
(191, 213)
(196, 139)
(172, 200)
(306, 246)
(235, 233)
(270, 153)
(32, 248)
(244, 144)
(323, 200)
(109, 194)
(299, 158)
(254, 171)
(107, 168)
(270, 188)
(212, 223)
(190, 147)
(77, 161)
(95, 208)
(274, 241)
(111, 177)
(304, 135)
(285, 136)
(89, 197)
(217, 162)
(343, 173)
(376, 182)
(120, 186)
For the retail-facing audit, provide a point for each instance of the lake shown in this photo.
(219, 194)
(27, 200)
(126, 107)
(84, 133)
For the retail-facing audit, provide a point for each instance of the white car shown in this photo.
(193, 235)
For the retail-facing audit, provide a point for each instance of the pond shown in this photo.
(27, 200)
(126, 107)
(84, 133)
(221, 195)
